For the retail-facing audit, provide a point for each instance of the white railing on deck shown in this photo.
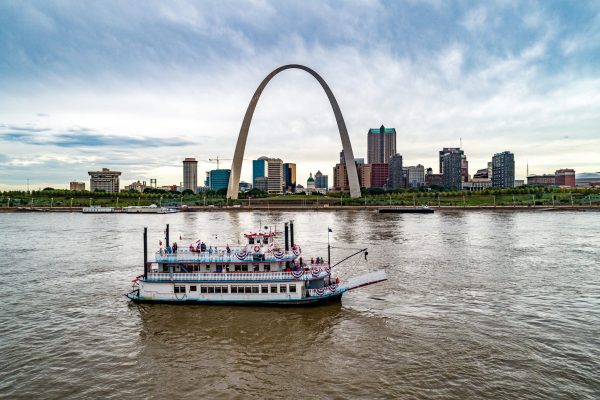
(235, 276)
(185, 255)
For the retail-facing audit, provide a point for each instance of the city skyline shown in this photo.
(106, 96)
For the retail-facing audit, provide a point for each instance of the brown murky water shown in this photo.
(477, 305)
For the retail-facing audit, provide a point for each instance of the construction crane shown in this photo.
(219, 159)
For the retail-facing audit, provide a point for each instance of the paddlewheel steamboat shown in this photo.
(259, 271)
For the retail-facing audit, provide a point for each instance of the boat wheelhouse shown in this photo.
(259, 271)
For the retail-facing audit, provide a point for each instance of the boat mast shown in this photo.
(145, 253)
(287, 243)
(167, 236)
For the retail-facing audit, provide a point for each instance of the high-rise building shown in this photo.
(259, 169)
(379, 175)
(395, 180)
(321, 181)
(464, 164)
(565, 177)
(451, 167)
(105, 180)
(381, 144)
(364, 175)
(218, 179)
(272, 169)
(340, 178)
(77, 186)
(289, 172)
(503, 170)
(190, 174)
(416, 176)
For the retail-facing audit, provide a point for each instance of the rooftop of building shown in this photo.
(382, 128)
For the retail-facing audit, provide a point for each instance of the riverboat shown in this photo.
(261, 271)
(151, 209)
(97, 210)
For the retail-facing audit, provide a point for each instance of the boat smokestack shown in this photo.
(145, 253)
(292, 233)
(167, 236)
(286, 234)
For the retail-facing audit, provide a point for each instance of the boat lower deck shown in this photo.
(292, 302)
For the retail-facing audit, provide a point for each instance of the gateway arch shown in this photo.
(236, 166)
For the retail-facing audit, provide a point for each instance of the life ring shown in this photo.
(256, 248)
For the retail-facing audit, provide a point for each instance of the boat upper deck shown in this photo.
(226, 256)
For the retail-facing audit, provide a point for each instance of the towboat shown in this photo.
(260, 271)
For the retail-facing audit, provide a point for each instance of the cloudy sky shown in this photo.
(137, 86)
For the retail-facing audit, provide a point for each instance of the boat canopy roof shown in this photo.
(260, 234)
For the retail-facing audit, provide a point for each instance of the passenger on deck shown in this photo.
(175, 247)
(203, 247)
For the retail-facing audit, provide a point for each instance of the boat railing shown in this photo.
(322, 291)
(233, 256)
(236, 276)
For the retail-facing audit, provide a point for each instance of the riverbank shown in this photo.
(290, 207)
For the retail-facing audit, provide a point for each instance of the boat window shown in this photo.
(266, 267)
(254, 289)
(282, 288)
(202, 289)
(217, 289)
(250, 240)
(292, 288)
(225, 289)
(264, 289)
(208, 267)
(255, 267)
(245, 268)
(179, 289)
(238, 267)
(211, 289)
(234, 289)
(193, 288)
(273, 288)
(265, 241)
(248, 289)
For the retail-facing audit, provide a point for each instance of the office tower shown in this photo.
(416, 176)
(379, 175)
(503, 170)
(395, 180)
(451, 167)
(321, 181)
(218, 179)
(565, 177)
(464, 164)
(105, 180)
(190, 174)
(272, 170)
(289, 172)
(340, 178)
(381, 145)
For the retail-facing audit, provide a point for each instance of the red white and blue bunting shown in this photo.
(298, 274)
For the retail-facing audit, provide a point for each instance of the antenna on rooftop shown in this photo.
(461, 142)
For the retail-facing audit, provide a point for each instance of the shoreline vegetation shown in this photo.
(522, 198)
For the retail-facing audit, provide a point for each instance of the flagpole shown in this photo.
(328, 247)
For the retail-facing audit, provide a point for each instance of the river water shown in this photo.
(497, 305)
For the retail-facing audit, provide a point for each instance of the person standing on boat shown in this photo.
(174, 247)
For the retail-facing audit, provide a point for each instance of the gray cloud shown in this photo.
(85, 137)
